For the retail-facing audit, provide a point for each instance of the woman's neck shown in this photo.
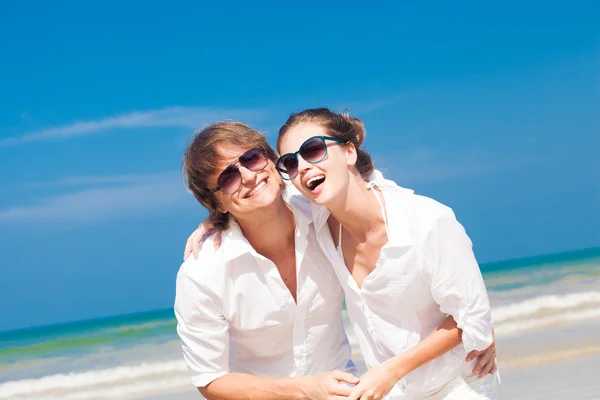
(269, 230)
(357, 209)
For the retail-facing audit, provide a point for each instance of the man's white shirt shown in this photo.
(235, 314)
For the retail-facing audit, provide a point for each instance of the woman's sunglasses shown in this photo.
(230, 179)
(313, 150)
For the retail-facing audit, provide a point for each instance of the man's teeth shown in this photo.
(257, 188)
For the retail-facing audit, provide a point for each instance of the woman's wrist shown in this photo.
(399, 367)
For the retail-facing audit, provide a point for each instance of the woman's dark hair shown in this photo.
(340, 126)
(202, 156)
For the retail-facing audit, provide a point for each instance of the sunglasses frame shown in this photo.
(323, 139)
(237, 164)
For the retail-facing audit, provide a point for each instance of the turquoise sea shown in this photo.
(138, 355)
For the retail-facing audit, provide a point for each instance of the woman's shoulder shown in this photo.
(418, 212)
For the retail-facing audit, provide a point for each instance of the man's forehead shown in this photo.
(226, 154)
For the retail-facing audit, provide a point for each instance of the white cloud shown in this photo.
(183, 117)
(151, 193)
(427, 165)
(74, 181)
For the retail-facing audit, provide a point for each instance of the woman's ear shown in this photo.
(351, 154)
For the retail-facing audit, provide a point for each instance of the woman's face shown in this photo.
(324, 181)
(257, 189)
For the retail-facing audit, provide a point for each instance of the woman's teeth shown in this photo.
(315, 181)
(257, 188)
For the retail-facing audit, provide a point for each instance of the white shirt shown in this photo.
(425, 272)
(235, 314)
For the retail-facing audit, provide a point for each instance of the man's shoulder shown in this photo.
(210, 266)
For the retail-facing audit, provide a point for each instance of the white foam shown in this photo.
(530, 307)
(130, 390)
(26, 387)
(517, 327)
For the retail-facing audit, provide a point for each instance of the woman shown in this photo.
(403, 260)
(486, 361)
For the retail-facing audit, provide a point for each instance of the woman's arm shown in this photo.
(380, 380)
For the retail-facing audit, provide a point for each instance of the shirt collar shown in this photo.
(397, 223)
(234, 243)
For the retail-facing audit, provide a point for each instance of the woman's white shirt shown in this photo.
(235, 314)
(425, 272)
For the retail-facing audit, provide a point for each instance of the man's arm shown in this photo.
(236, 386)
(204, 332)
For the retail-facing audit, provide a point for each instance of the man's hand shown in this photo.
(376, 383)
(486, 364)
(329, 386)
(205, 229)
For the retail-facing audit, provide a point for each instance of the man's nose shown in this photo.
(248, 176)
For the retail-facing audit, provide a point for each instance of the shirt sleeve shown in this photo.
(202, 328)
(457, 285)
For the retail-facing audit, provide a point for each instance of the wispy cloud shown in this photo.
(150, 193)
(427, 165)
(79, 181)
(183, 117)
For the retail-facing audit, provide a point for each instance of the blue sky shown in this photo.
(491, 109)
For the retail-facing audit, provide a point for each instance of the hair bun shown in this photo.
(358, 127)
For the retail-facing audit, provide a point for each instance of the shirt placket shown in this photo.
(299, 331)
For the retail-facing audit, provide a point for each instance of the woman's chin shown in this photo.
(321, 195)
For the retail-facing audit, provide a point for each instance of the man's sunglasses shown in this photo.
(313, 150)
(230, 179)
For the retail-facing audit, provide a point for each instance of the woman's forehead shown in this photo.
(299, 133)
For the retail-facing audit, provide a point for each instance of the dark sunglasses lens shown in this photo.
(230, 179)
(313, 150)
(253, 159)
(288, 165)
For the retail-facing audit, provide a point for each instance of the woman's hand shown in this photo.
(376, 383)
(205, 229)
(486, 364)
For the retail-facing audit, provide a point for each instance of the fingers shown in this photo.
(341, 390)
(355, 395)
(487, 368)
(218, 239)
(188, 248)
(483, 359)
(345, 377)
(473, 354)
(495, 367)
(196, 251)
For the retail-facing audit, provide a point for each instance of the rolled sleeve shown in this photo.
(457, 285)
(203, 329)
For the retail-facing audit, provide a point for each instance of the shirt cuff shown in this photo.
(474, 338)
(201, 380)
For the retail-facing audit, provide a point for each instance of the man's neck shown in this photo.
(270, 230)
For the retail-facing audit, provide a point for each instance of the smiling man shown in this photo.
(259, 317)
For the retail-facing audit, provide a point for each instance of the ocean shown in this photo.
(546, 310)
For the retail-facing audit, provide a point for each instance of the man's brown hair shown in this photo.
(201, 158)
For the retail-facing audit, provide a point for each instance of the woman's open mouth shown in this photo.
(313, 183)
